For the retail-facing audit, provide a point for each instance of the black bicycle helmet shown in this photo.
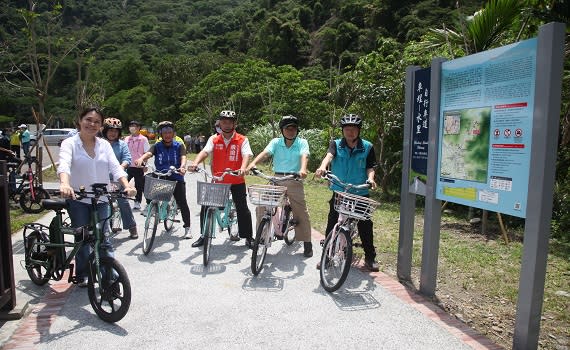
(351, 119)
(288, 120)
(226, 114)
(111, 123)
(164, 124)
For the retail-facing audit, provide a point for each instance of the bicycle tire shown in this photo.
(150, 226)
(232, 221)
(288, 232)
(38, 274)
(336, 259)
(171, 212)
(116, 219)
(110, 298)
(260, 246)
(207, 235)
(33, 205)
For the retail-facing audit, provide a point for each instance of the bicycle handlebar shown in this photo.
(276, 179)
(217, 177)
(333, 178)
(97, 190)
(170, 171)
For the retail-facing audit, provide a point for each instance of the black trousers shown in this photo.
(138, 174)
(239, 196)
(181, 202)
(365, 230)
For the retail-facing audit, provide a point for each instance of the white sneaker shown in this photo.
(137, 205)
(187, 233)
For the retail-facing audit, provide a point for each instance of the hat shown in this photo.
(135, 122)
(23, 126)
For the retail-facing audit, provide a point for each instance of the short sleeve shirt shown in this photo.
(287, 159)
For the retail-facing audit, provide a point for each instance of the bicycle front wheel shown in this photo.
(336, 259)
(171, 211)
(32, 202)
(110, 295)
(207, 234)
(288, 231)
(150, 226)
(232, 221)
(260, 246)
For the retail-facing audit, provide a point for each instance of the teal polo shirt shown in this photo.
(287, 159)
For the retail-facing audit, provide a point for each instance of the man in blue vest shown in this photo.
(352, 160)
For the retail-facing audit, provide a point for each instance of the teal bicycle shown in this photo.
(220, 209)
(46, 258)
(162, 206)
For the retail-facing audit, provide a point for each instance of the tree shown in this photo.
(46, 48)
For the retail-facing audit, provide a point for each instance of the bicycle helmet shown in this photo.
(111, 123)
(135, 122)
(227, 115)
(165, 124)
(351, 119)
(288, 120)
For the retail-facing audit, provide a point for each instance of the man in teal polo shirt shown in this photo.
(291, 155)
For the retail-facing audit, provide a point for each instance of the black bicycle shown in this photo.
(26, 189)
(46, 258)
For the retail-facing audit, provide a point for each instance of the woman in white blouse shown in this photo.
(85, 159)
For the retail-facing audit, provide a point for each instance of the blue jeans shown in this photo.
(80, 215)
(126, 213)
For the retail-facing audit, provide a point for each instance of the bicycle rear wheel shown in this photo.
(232, 222)
(33, 204)
(39, 274)
(260, 246)
(150, 226)
(207, 234)
(336, 259)
(171, 212)
(110, 297)
(288, 231)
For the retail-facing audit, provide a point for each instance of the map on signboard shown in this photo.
(465, 144)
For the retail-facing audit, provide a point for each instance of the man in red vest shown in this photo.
(229, 150)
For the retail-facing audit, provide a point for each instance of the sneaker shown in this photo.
(133, 232)
(137, 205)
(187, 233)
(82, 282)
(308, 249)
(371, 265)
(234, 238)
(249, 242)
(199, 242)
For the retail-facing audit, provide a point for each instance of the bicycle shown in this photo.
(162, 207)
(27, 191)
(220, 209)
(277, 216)
(108, 286)
(336, 256)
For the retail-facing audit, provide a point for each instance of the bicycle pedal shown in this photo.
(322, 242)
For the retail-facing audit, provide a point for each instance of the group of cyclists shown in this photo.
(96, 154)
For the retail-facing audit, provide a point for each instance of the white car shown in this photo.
(53, 137)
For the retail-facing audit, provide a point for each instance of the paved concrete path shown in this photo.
(178, 303)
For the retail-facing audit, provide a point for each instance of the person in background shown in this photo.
(15, 142)
(138, 145)
(352, 160)
(112, 133)
(25, 138)
(5, 152)
(229, 150)
(168, 152)
(85, 159)
(290, 156)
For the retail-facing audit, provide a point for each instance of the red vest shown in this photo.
(227, 157)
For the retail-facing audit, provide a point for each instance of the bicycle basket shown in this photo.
(158, 189)
(213, 194)
(354, 206)
(266, 195)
